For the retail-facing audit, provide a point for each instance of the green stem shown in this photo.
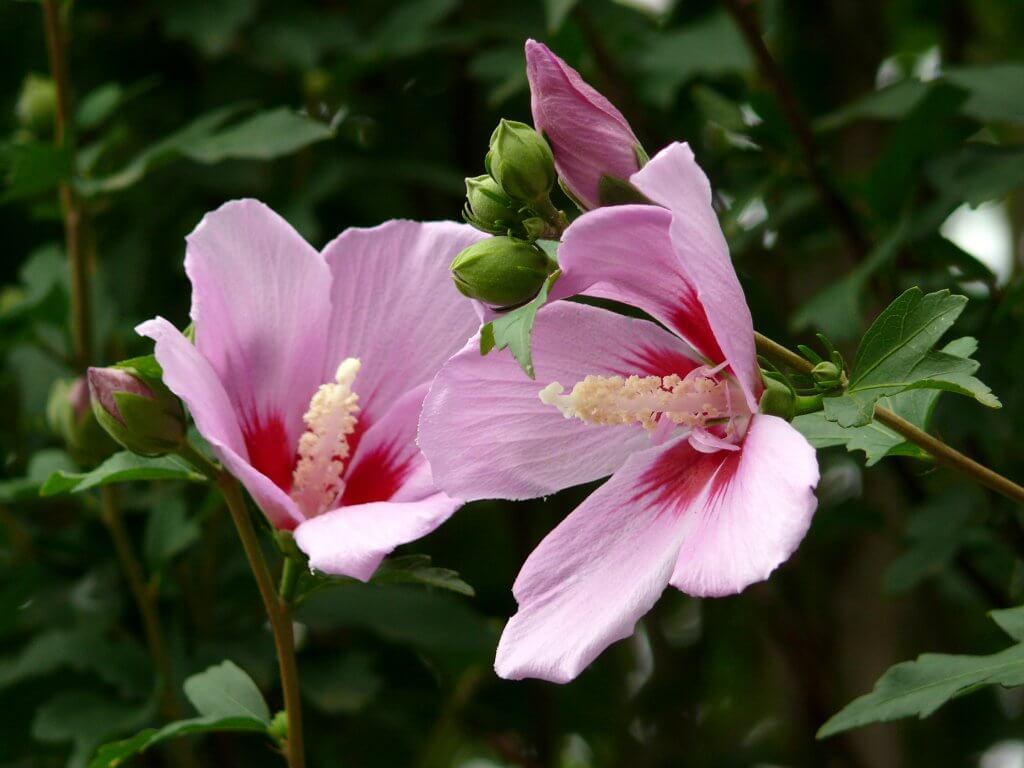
(279, 615)
(938, 450)
(145, 603)
(74, 213)
(553, 217)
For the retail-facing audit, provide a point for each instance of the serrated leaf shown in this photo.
(920, 687)
(123, 467)
(876, 440)
(896, 355)
(514, 329)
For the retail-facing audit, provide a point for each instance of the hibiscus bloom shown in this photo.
(309, 369)
(706, 494)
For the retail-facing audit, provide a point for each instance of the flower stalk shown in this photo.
(939, 451)
(277, 603)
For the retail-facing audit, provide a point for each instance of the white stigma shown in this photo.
(693, 401)
(323, 448)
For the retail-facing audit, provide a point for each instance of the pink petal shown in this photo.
(589, 137)
(395, 306)
(387, 458)
(191, 377)
(487, 434)
(352, 541)
(673, 179)
(625, 253)
(596, 574)
(261, 306)
(758, 511)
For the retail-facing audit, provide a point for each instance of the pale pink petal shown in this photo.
(352, 541)
(191, 377)
(596, 574)
(589, 137)
(487, 434)
(261, 307)
(625, 253)
(395, 306)
(757, 511)
(673, 179)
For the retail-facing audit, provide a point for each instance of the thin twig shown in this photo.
(938, 450)
(74, 213)
(745, 16)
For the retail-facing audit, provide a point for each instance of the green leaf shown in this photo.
(416, 569)
(994, 91)
(1011, 621)
(876, 440)
(514, 329)
(891, 103)
(123, 467)
(226, 691)
(227, 700)
(32, 168)
(977, 173)
(40, 467)
(85, 718)
(264, 136)
(169, 532)
(920, 687)
(896, 355)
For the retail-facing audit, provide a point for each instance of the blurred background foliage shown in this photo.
(351, 112)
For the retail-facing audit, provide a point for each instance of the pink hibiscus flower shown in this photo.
(309, 370)
(705, 494)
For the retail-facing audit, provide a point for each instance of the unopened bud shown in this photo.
(828, 375)
(778, 399)
(137, 410)
(279, 727)
(70, 416)
(502, 272)
(489, 209)
(37, 104)
(520, 160)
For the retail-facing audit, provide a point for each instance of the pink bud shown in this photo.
(104, 383)
(78, 396)
(588, 136)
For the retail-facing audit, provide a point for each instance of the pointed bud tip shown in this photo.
(104, 383)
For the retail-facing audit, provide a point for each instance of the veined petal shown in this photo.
(261, 307)
(589, 137)
(352, 541)
(588, 583)
(673, 179)
(486, 432)
(395, 306)
(191, 377)
(756, 513)
(626, 253)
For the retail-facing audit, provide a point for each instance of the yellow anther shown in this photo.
(323, 448)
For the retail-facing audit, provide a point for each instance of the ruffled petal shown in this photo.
(588, 583)
(261, 307)
(673, 179)
(756, 513)
(487, 434)
(191, 377)
(625, 253)
(352, 541)
(395, 306)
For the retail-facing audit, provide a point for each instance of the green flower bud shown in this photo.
(488, 208)
(70, 416)
(279, 727)
(501, 272)
(37, 104)
(137, 410)
(778, 399)
(520, 160)
(828, 375)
